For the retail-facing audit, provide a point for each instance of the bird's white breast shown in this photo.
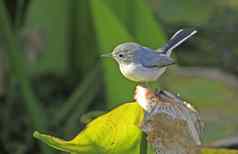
(137, 72)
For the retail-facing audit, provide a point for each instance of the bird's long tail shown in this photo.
(178, 38)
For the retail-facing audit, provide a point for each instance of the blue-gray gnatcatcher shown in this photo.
(142, 64)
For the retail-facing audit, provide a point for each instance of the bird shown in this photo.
(143, 64)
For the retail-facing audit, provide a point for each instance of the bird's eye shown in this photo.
(121, 55)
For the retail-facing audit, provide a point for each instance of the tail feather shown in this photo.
(178, 38)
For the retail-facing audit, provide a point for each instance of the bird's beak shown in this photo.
(106, 55)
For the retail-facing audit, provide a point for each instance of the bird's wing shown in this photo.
(155, 59)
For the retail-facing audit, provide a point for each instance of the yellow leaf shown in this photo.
(116, 132)
(218, 151)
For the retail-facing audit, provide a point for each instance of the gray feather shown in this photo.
(155, 59)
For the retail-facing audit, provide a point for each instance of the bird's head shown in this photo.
(125, 53)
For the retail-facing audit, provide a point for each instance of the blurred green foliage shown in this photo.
(63, 42)
(55, 25)
(19, 71)
(115, 132)
(54, 70)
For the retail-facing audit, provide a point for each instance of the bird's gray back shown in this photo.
(151, 58)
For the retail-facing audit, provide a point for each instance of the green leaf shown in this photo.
(110, 32)
(50, 17)
(146, 27)
(140, 21)
(84, 50)
(116, 132)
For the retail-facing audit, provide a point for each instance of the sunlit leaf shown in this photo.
(116, 132)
